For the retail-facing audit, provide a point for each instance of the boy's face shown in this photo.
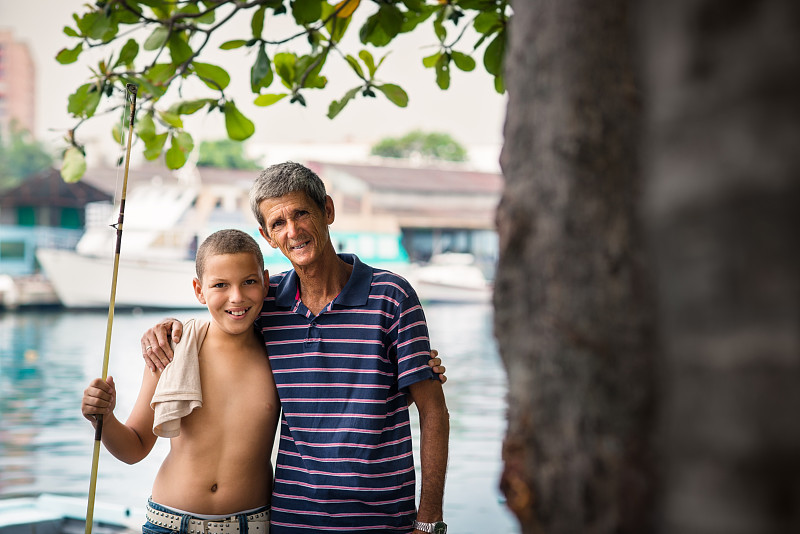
(297, 226)
(233, 289)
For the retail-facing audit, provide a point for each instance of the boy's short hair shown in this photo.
(281, 179)
(228, 241)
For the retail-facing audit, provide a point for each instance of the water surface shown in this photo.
(48, 358)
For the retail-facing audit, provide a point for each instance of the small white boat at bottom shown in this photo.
(57, 514)
(450, 277)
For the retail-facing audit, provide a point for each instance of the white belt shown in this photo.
(256, 523)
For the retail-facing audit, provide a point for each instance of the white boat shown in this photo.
(56, 514)
(161, 229)
(450, 277)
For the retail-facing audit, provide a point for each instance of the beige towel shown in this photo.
(178, 390)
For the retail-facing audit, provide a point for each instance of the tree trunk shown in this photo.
(573, 314)
(723, 205)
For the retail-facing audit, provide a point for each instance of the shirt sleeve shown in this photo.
(413, 347)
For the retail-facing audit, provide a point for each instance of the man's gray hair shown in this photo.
(281, 179)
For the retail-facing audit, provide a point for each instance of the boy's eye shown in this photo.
(219, 285)
(250, 282)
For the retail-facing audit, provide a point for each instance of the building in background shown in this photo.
(17, 85)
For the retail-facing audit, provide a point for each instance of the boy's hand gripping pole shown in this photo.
(131, 91)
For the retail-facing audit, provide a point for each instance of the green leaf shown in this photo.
(438, 26)
(268, 100)
(261, 72)
(487, 22)
(188, 107)
(443, 71)
(230, 45)
(238, 126)
(145, 127)
(67, 56)
(430, 61)
(353, 62)
(306, 11)
(70, 32)
(116, 133)
(184, 141)
(128, 53)
(285, 67)
(390, 19)
(257, 22)
(157, 39)
(394, 93)
(336, 26)
(337, 106)
(366, 57)
(179, 49)
(73, 166)
(170, 119)
(213, 76)
(94, 25)
(499, 84)
(161, 72)
(175, 158)
(373, 32)
(83, 102)
(463, 61)
(155, 146)
(493, 57)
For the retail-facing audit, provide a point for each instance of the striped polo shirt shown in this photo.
(345, 461)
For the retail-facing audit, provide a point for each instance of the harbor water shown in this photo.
(48, 357)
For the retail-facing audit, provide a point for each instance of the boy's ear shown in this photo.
(266, 282)
(272, 243)
(198, 290)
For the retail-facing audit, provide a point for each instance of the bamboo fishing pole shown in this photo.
(130, 89)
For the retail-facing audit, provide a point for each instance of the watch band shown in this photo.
(431, 527)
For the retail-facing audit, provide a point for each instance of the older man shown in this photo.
(348, 345)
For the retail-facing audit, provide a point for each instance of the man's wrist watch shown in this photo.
(439, 527)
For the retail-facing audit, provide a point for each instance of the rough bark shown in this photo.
(723, 205)
(573, 315)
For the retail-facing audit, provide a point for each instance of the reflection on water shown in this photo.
(48, 358)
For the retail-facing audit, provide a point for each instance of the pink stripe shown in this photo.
(342, 501)
(327, 486)
(391, 284)
(360, 415)
(412, 325)
(332, 370)
(354, 445)
(413, 340)
(384, 297)
(412, 371)
(348, 460)
(361, 475)
(354, 430)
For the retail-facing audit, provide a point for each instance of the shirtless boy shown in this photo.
(218, 468)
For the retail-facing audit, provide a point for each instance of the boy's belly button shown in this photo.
(213, 488)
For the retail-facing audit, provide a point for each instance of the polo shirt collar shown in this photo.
(354, 293)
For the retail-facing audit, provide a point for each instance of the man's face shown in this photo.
(297, 226)
(233, 289)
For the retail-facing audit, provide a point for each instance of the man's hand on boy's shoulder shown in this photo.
(156, 348)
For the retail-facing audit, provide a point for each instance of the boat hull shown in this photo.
(85, 281)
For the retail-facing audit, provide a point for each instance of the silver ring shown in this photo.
(148, 347)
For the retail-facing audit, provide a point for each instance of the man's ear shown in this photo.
(198, 290)
(272, 243)
(330, 211)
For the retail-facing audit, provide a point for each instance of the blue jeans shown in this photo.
(150, 528)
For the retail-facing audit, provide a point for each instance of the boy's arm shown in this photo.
(133, 440)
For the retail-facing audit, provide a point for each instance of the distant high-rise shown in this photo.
(17, 85)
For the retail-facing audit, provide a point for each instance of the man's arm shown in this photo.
(435, 435)
(156, 350)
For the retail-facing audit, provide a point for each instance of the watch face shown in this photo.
(439, 528)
